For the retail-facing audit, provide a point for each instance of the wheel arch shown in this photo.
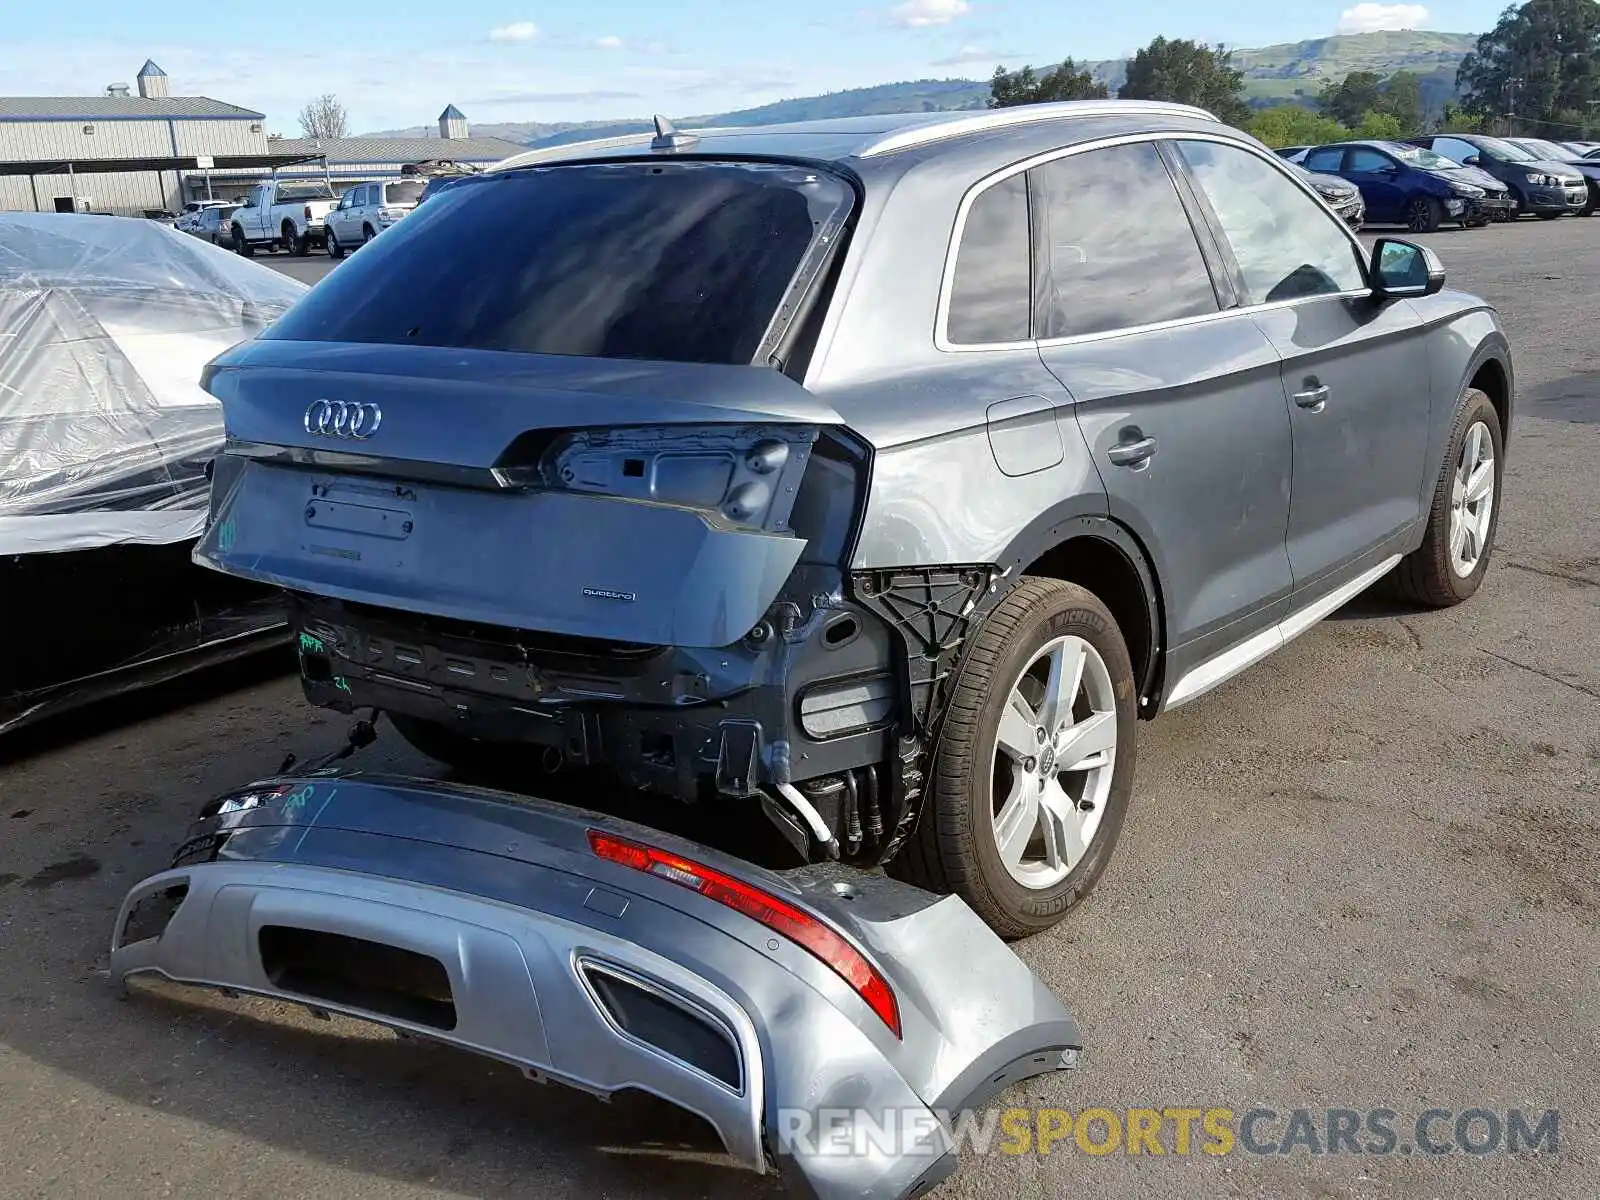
(1106, 558)
(1490, 372)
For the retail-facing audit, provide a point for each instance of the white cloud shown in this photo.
(609, 43)
(517, 31)
(919, 14)
(1368, 17)
(971, 54)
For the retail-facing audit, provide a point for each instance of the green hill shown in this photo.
(1291, 71)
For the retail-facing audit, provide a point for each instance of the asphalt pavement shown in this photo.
(1364, 875)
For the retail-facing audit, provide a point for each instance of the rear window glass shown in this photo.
(683, 262)
(305, 191)
(405, 192)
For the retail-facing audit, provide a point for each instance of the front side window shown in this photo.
(1370, 161)
(991, 297)
(1453, 148)
(1286, 243)
(1118, 250)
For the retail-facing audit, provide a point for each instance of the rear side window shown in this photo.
(1287, 244)
(681, 262)
(1118, 247)
(407, 191)
(1324, 160)
(991, 295)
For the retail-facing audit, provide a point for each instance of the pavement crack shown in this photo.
(1566, 683)
(1416, 638)
(1549, 574)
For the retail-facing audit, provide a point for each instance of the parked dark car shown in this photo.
(1567, 155)
(211, 224)
(1406, 185)
(1342, 196)
(873, 477)
(1539, 186)
(105, 444)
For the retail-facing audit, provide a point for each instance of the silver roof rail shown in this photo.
(1023, 114)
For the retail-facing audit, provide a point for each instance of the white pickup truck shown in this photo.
(288, 213)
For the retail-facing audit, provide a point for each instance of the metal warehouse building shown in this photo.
(366, 159)
(135, 154)
(63, 143)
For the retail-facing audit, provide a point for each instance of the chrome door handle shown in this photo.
(1132, 454)
(1313, 398)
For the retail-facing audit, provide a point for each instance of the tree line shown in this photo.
(1537, 72)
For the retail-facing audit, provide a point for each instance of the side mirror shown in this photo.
(1400, 269)
(1470, 160)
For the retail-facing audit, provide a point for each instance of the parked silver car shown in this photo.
(877, 475)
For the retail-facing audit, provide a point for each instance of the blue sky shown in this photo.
(397, 64)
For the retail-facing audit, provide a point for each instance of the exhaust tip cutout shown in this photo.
(798, 926)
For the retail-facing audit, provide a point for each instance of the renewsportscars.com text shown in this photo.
(1212, 1131)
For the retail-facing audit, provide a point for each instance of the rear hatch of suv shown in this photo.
(552, 399)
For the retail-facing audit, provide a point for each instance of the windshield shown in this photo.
(1540, 148)
(406, 191)
(1423, 160)
(1500, 148)
(670, 261)
(305, 191)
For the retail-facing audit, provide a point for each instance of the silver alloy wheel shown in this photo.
(1472, 500)
(1054, 755)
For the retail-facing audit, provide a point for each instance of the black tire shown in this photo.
(1424, 215)
(953, 848)
(241, 246)
(335, 250)
(1427, 576)
(293, 242)
(367, 234)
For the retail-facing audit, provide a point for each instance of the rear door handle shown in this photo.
(1131, 454)
(1314, 399)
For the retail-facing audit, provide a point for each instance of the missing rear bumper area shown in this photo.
(802, 702)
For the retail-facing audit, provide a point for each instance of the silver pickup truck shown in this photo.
(291, 214)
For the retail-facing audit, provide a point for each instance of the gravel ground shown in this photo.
(1366, 874)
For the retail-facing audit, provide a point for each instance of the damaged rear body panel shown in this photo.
(658, 473)
(598, 954)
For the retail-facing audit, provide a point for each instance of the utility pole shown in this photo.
(1512, 85)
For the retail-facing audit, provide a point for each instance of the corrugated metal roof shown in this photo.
(400, 150)
(117, 108)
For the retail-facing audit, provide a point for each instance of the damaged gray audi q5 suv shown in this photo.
(880, 473)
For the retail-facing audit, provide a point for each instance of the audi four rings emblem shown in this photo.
(343, 419)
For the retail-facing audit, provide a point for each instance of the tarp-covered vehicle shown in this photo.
(105, 438)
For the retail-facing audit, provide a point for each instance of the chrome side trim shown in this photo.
(1027, 114)
(941, 318)
(1224, 666)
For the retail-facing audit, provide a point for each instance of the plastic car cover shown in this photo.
(105, 325)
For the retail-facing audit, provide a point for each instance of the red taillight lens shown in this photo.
(777, 915)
